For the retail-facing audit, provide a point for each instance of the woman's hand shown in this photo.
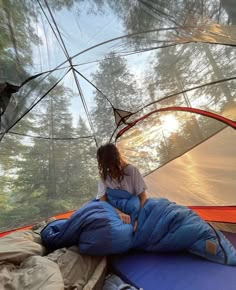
(124, 217)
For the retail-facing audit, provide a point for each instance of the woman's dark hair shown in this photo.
(110, 162)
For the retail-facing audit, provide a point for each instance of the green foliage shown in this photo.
(40, 177)
(119, 85)
(50, 176)
(16, 36)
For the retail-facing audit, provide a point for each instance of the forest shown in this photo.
(56, 121)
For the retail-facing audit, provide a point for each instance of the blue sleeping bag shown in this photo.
(165, 226)
(162, 226)
(95, 228)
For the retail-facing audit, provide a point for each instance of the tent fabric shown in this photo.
(216, 213)
(80, 73)
(206, 171)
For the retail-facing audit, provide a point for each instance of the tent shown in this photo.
(156, 77)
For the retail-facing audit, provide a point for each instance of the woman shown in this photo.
(116, 173)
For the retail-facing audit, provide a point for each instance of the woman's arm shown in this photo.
(142, 197)
(103, 198)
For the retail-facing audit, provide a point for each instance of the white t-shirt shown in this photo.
(132, 182)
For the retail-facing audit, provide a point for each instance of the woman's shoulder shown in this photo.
(130, 168)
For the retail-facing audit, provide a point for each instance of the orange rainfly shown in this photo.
(219, 214)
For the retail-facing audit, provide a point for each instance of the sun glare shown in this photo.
(169, 123)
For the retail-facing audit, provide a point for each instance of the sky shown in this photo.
(79, 33)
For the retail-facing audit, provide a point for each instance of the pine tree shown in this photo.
(119, 86)
(83, 169)
(40, 170)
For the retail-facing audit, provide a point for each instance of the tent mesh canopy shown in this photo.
(157, 77)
